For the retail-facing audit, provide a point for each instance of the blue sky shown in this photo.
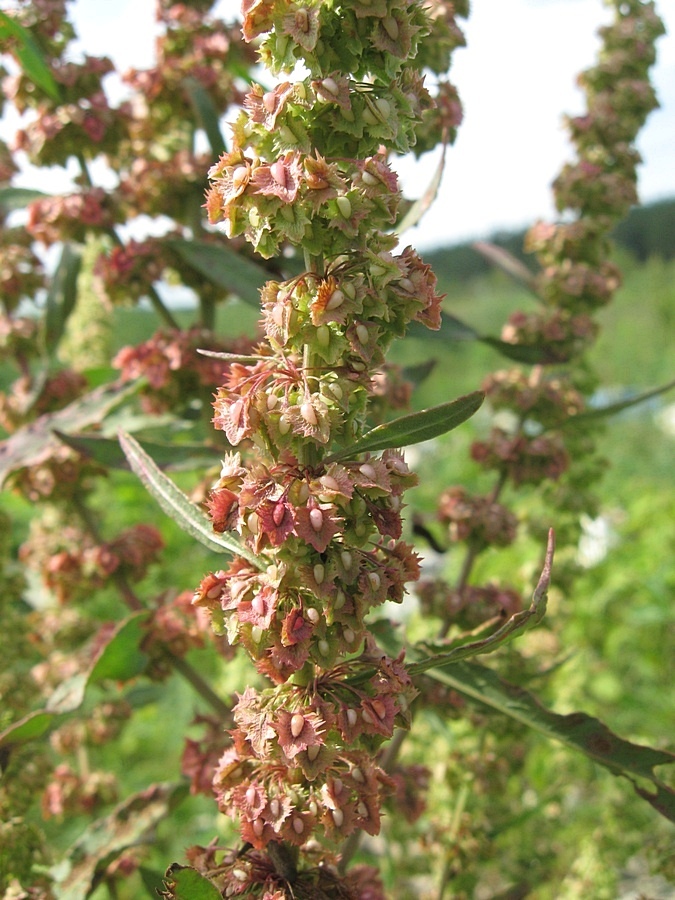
(516, 79)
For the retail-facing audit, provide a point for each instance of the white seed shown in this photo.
(298, 825)
(338, 817)
(339, 599)
(313, 615)
(330, 483)
(324, 648)
(258, 827)
(250, 795)
(313, 751)
(275, 808)
(362, 333)
(239, 177)
(297, 724)
(362, 810)
(254, 217)
(352, 717)
(375, 580)
(257, 633)
(383, 107)
(316, 519)
(369, 179)
(269, 101)
(319, 573)
(348, 635)
(313, 807)
(357, 775)
(365, 715)
(308, 414)
(336, 390)
(407, 285)
(395, 502)
(369, 471)
(278, 172)
(346, 558)
(349, 289)
(336, 299)
(272, 401)
(345, 206)
(284, 425)
(330, 85)
(303, 492)
(253, 523)
(240, 874)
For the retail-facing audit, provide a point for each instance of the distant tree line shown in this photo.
(647, 231)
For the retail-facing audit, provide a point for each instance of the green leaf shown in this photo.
(77, 874)
(121, 658)
(452, 329)
(12, 198)
(108, 452)
(61, 296)
(414, 428)
(176, 505)
(30, 727)
(518, 624)
(37, 442)
(223, 266)
(614, 408)
(531, 354)
(30, 56)
(206, 113)
(185, 883)
(508, 263)
(578, 731)
(419, 373)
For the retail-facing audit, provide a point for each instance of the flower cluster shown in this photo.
(322, 526)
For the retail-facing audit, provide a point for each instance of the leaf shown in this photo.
(508, 263)
(77, 874)
(452, 329)
(420, 206)
(578, 731)
(108, 452)
(185, 883)
(12, 198)
(61, 296)
(30, 727)
(30, 56)
(121, 658)
(419, 373)
(518, 624)
(37, 442)
(224, 267)
(614, 408)
(176, 505)
(68, 696)
(206, 113)
(414, 428)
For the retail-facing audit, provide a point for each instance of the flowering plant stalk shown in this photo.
(309, 168)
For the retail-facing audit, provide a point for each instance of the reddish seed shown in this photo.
(278, 514)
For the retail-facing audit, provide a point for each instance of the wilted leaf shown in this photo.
(224, 267)
(517, 624)
(579, 731)
(61, 296)
(36, 442)
(414, 428)
(414, 215)
(68, 696)
(206, 113)
(30, 56)
(176, 505)
(77, 874)
(185, 883)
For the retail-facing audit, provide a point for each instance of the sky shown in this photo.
(516, 78)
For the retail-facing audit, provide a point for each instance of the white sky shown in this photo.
(516, 78)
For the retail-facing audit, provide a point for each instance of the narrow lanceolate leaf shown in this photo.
(507, 262)
(29, 55)
(452, 329)
(12, 198)
(61, 296)
(206, 114)
(222, 266)
(613, 408)
(518, 624)
(79, 872)
(176, 505)
(30, 727)
(414, 428)
(578, 731)
(185, 883)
